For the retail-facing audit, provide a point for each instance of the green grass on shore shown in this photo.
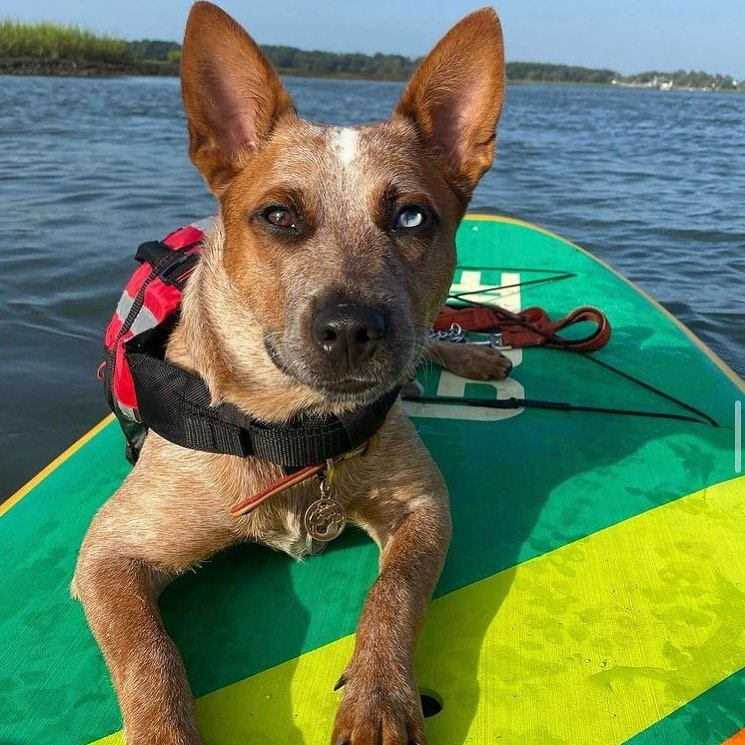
(54, 41)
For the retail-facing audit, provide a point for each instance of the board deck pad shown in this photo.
(593, 593)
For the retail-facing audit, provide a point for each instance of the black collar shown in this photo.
(175, 403)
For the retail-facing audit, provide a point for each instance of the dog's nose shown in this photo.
(348, 334)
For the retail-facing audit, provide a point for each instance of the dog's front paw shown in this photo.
(477, 362)
(379, 709)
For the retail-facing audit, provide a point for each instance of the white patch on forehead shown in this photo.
(347, 179)
(345, 143)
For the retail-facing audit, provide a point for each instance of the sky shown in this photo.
(627, 36)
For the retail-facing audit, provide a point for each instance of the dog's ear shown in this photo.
(455, 97)
(232, 95)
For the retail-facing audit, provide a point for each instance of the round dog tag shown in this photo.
(325, 520)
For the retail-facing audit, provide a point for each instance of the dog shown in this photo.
(333, 252)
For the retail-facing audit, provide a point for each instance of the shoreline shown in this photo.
(32, 67)
(65, 68)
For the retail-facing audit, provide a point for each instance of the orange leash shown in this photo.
(254, 500)
(530, 327)
(296, 477)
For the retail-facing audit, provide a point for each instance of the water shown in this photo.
(652, 182)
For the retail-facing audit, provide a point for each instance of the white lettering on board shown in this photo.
(509, 297)
(454, 386)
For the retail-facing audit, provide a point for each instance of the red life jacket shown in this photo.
(151, 298)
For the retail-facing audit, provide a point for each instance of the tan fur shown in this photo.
(474, 362)
(244, 328)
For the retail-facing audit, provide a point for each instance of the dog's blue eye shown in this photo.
(410, 217)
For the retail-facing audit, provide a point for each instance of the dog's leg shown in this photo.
(128, 556)
(119, 595)
(474, 361)
(409, 518)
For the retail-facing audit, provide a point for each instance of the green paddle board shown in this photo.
(595, 587)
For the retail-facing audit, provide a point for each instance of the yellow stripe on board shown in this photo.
(590, 643)
(56, 463)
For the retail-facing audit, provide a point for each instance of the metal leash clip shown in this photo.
(454, 334)
(493, 340)
(457, 335)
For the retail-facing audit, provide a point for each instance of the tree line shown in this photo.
(46, 41)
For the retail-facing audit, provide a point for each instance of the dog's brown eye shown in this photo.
(280, 218)
(410, 217)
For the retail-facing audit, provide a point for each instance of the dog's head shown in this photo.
(338, 243)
